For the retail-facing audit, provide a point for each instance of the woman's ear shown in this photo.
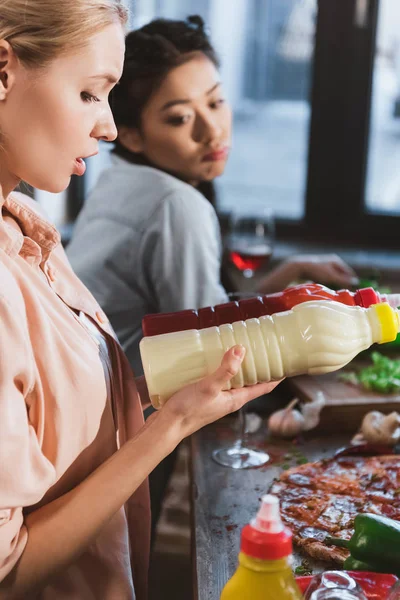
(8, 62)
(131, 139)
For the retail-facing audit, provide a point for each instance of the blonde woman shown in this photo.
(74, 453)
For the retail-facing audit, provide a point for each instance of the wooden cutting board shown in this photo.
(345, 405)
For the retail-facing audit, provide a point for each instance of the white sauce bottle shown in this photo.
(312, 338)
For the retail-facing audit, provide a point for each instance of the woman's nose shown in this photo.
(209, 129)
(105, 128)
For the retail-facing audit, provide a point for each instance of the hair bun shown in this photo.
(195, 22)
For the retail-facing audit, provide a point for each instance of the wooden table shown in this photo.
(224, 500)
(345, 405)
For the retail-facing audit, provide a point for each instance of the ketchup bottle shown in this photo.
(259, 306)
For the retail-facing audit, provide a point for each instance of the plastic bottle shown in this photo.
(313, 337)
(264, 570)
(259, 306)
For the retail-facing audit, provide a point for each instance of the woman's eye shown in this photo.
(176, 121)
(86, 97)
(217, 103)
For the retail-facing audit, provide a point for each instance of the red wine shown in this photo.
(251, 258)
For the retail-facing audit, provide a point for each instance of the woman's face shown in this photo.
(51, 119)
(186, 125)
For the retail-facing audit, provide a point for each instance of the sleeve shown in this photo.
(183, 252)
(25, 473)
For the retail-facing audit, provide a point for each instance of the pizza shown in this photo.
(322, 499)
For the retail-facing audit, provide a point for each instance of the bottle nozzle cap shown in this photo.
(268, 518)
(389, 321)
(266, 537)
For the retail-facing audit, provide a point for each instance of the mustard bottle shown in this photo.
(264, 570)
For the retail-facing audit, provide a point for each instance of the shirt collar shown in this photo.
(31, 228)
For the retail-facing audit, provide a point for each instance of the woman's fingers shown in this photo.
(341, 275)
(241, 396)
(342, 266)
(213, 384)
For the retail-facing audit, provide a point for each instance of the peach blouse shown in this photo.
(57, 421)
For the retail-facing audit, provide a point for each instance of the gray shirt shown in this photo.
(146, 242)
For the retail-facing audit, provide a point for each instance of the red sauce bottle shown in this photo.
(268, 304)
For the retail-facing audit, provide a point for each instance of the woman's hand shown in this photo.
(320, 268)
(203, 402)
(328, 268)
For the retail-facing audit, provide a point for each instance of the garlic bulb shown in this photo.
(381, 429)
(289, 422)
(311, 411)
(286, 422)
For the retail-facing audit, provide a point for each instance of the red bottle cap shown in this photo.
(266, 537)
(366, 296)
(266, 546)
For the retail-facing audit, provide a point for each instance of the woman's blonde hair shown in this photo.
(39, 30)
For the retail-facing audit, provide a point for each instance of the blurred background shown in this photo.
(315, 88)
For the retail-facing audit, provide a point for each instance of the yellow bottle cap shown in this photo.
(389, 322)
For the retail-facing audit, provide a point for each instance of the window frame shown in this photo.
(342, 75)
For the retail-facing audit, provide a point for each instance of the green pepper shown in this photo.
(376, 540)
(352, 564)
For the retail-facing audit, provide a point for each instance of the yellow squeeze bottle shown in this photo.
(264, 571)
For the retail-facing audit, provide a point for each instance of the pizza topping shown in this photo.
(373, 507)
(313, 533)
(295, 493)
(349, 462)
(389, 511)
(299, 479)
(326, 497)
(380, 496)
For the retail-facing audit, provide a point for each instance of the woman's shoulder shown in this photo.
(30, 221)
(148, 178)
(158, 182)
(142, 192)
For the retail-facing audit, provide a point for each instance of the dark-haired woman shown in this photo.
(147, 239)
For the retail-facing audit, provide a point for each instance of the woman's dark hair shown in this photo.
(151, 53)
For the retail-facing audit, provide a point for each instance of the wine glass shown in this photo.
(331, 580)
(250, 239)
(240, 455)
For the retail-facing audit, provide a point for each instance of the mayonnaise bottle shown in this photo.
(313, 337)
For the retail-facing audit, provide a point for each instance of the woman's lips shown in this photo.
(79, 166)
(221, 154)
